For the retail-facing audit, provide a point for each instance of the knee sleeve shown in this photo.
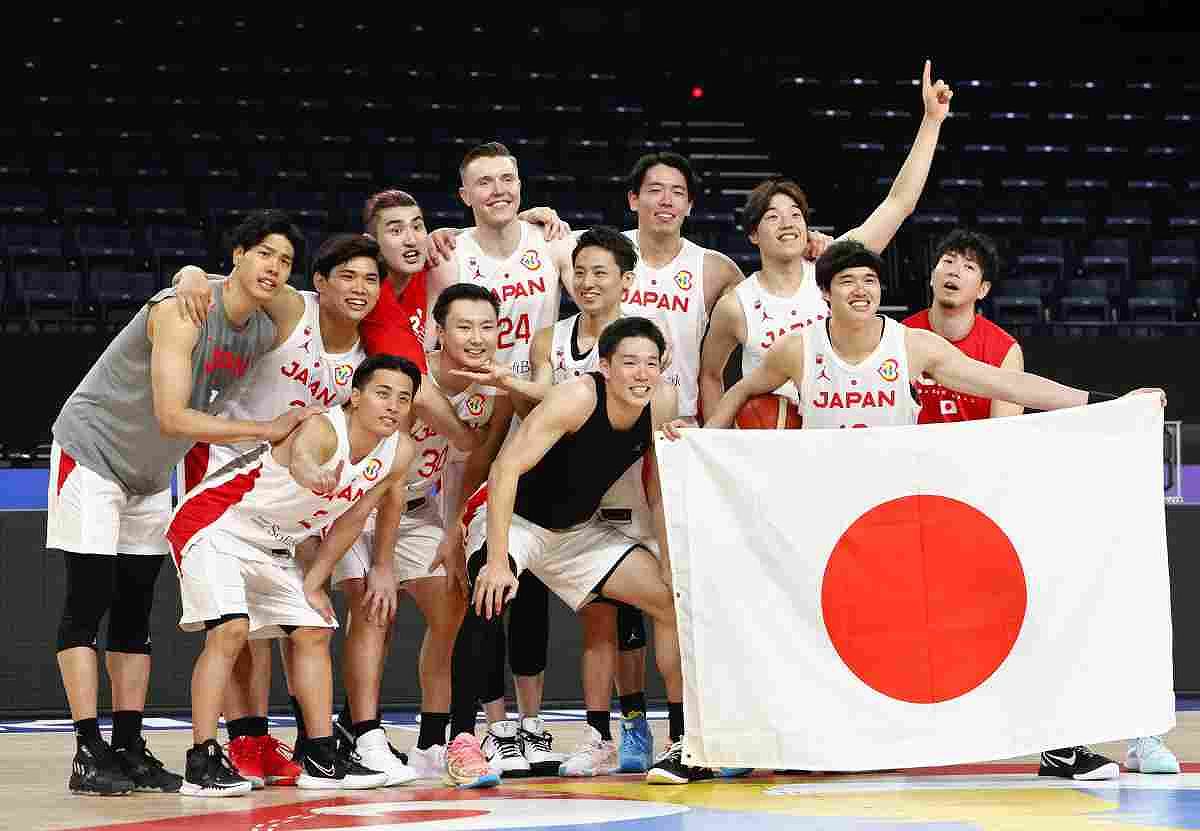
(631, 628)
(528, 627)
(89, 596)
(477, 665)
(133, 598)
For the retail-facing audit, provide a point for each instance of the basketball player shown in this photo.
(234, 539)
(422, 558)
(783, 296)
(148, 398)
(856, 369)
(316, 352)
(965, 265)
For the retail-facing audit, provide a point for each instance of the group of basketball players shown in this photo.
(475, 463)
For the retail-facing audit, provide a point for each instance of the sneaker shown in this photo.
(209, 773)
(637, 744)
(245, 753)
(502, 748)
(536, 744)
(335, 768)
(148, 774)
(1078, 763)
(466, 766)
(670, 769)
(429, 763)
(277, 762)
(376, 754)
(95, 771)
(1150, 755)
(597, 756)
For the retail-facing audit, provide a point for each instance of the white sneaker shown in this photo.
(429, 763)
(1149, 755)
(502, 748)
(536, 742)
(375, 754)
(595, 757)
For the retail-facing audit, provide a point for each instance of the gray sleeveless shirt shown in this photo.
(108, 424)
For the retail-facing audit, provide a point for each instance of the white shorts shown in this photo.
(417, 542)
(88, 514)
(571, 563)
(222, 575)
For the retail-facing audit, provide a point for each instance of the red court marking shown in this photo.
(923, 598)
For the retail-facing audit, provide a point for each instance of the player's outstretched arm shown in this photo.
(1014, 360)
(726, 331)
(784, 362)
(436, 410)
(306, 454)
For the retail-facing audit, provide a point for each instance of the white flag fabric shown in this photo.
(918, 596)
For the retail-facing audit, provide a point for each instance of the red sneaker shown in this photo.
(277, 761)
(246, 755)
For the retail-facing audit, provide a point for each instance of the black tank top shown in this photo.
(566, 486)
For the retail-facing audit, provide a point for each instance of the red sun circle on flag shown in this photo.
(923, 598)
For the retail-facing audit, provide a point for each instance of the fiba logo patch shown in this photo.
(343, 374)
(371, 471)
(475, 405)
(889, 370)
(531, 260)
(684, 280)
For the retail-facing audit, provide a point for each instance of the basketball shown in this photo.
(768, 412)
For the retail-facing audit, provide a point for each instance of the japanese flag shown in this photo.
(926, 595)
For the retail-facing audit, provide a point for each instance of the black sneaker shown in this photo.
(331, 765)
(95, 771)
(1078, 763)
(146, 771)
(670, 769)
(210, 773)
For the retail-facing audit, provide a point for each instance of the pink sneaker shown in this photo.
(465, 765)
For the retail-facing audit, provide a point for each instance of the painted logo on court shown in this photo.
(531, 260)
(371, 471)
(889, 370)
(684, 280)
(343, 374)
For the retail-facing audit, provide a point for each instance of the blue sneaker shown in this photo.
(637, 745)
(1150, 755)
(733, 773)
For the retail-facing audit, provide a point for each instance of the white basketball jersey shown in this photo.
(873, 393)
(769, 317)
(474, 407)
(526, 284)
(563, 357)
(673, 297)
(256, 500)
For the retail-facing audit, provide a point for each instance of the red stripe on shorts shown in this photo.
(206, 507)
(65, 465)
(477, 501)
(195, 466)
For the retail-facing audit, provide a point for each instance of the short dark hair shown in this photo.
(979, 247)
(259, 225)
(341, 248)
(643, 165)
(462, 291)
(844, 254)
(759, 201)
(383, 360)
(630, 327)
(491, 150)
(611, 240)
(383, 200)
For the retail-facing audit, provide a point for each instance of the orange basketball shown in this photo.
(768, 412)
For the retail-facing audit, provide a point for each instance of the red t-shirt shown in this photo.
(986, 342)
(397, 324)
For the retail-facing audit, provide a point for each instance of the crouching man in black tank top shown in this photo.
(544, 493)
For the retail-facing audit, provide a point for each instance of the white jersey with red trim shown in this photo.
(873, 393)
(673, 297)
(526, 284)
(256, 500)
(297, 373)
(474, 407)
(770, 317)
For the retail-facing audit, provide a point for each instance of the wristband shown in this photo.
(1097, 397)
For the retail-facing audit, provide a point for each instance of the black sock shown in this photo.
(633, 703)
(433, 729)
(599, 719)
(361, 728)
(301, 733)
(258, 725)
(675, 717)
(238, 727)
(87, 731)
(127, 728)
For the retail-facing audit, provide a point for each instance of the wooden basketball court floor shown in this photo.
(998, 796)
